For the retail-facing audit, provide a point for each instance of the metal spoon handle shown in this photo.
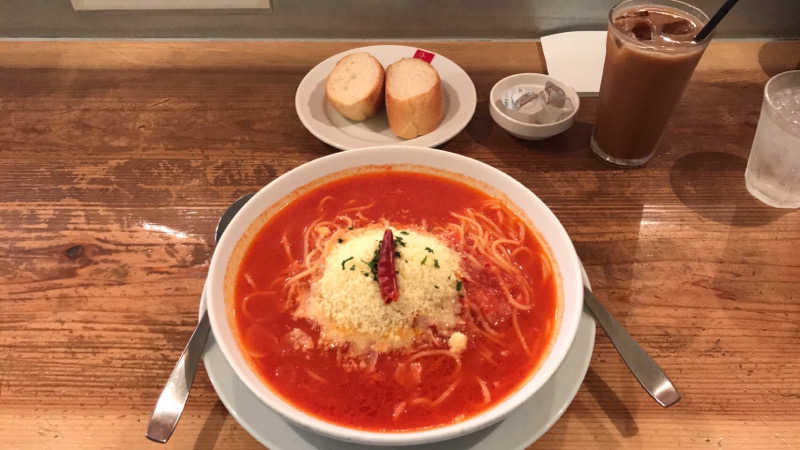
(643, 367)
(170, 403)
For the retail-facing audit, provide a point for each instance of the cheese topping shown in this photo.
(457, 342)
(346, 301)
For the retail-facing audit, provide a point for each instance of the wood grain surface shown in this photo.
(117, 158)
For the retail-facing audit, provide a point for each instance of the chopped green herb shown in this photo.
(373, 263)
(404, 232)
(399, 241)
(340, 240)
(352, 267)
(429, 250)
(396, 254)
(405, 260)
(396, 272)
(365, 274)
(436, 263)
(436, 286)
(349, 228)
(423, 260)
(459, 285)
(345, 261)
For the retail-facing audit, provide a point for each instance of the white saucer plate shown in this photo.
(327, 125)
(519, 429)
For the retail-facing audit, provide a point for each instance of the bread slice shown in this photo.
(355, 86)
(414, 103)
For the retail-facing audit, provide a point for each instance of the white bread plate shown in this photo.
(542, 218)
(326, 124)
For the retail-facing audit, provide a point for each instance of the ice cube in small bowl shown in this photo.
(513, 105)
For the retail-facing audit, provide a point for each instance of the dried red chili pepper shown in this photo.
(387, 278)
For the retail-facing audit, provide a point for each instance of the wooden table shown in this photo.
(116, 159)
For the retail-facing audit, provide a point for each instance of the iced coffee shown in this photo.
(650, 56)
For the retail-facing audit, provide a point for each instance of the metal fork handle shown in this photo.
(642, 366)
(170, 403)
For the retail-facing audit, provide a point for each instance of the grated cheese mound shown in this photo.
(346, 302)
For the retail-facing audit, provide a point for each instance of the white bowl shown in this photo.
(549, 228)
(525, 130)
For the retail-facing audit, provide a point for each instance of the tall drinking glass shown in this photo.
(773, 169)
(650, 56)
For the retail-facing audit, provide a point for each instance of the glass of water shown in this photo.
(773, 170)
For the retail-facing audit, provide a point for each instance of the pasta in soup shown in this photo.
(394, 299)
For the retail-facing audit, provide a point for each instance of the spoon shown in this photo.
(173, 397)
(642, 366)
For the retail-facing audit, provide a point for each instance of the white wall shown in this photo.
(370, 19)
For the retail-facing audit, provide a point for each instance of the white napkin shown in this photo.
(576, 58)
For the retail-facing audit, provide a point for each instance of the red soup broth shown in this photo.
(317, 382)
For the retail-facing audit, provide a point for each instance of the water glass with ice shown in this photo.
(773, 169)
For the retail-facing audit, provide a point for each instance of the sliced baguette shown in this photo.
(414, 103)
(355, 86)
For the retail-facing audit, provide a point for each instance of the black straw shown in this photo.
(715, 20)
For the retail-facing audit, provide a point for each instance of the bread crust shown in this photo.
(418, 115)
(364, 108)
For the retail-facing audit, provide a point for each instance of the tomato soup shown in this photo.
(471, 316)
